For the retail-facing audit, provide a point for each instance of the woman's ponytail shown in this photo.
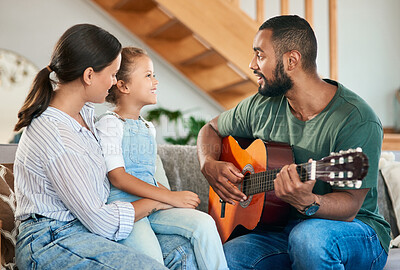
(38, 99)
(80, 47)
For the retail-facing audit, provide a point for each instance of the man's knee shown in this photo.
(309, 238)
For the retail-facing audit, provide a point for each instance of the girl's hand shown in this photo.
(184, 199)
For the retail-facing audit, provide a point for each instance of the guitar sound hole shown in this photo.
(247, 170)
(246, 203)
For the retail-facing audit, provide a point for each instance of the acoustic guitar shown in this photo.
(260, 162)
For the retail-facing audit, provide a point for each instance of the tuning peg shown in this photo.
(340, 184)
(358, 184)
(359, 149)
(332, 161)
(331, 183)
(349, 183)
(349, 174)
(341, 160)
(332, 175)
(341, 175)
(350, 159)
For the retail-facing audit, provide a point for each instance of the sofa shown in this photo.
(178, 167)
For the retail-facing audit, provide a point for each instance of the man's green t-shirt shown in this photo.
(346, 122)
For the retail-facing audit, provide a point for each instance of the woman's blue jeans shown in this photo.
(45, 243)
(309, 244)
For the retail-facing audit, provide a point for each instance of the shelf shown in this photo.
(391, 142)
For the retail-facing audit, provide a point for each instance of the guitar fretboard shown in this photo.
(264, 181)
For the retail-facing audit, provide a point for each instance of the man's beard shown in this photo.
(277, 86)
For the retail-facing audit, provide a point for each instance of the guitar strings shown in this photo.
(255, 183)
(263, 181)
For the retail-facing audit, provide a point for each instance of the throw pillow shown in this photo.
(391, 170)
(7, 210)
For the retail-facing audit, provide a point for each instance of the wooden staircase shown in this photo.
(209, 41)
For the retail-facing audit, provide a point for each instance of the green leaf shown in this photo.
(192, 124)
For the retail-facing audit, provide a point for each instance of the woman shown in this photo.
(60, 174)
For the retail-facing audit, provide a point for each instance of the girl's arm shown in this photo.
(130, 184)
(162, 186)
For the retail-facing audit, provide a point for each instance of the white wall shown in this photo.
(368, 47)
(368, 44)
(32, 27)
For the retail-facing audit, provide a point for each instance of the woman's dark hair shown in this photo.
(80, 47)
(290, 32)
(128, 64)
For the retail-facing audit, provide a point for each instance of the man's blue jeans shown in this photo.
(309, 244)
(45, 243)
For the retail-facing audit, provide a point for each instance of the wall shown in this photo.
(368, 45)
(31, 28)
(368, 42)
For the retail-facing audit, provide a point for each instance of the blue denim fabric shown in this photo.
(177, 252)
(139, 149)
(196, 226)
(45, 243)
(309, 244)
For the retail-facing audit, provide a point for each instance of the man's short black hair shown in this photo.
(290, 32)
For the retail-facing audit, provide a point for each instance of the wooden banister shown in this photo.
(333, 66)
(284, 7)
(260, 11)
(309, 14)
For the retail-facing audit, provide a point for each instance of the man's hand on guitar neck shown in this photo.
(222, 176)
(290, 189)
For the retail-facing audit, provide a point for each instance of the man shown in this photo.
(329, 227)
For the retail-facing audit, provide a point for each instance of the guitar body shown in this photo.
(251, 157)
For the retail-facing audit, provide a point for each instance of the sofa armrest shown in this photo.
(183, 171)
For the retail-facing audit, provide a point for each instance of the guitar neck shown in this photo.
(264, 181)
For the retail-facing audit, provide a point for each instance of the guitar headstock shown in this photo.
(346, 168)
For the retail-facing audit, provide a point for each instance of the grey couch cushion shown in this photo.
(181, 167)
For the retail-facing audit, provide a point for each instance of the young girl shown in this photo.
(60, 174)
(129, 147)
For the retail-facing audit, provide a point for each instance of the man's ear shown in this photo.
(88, 75)
(292, 59)
(122, 87)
